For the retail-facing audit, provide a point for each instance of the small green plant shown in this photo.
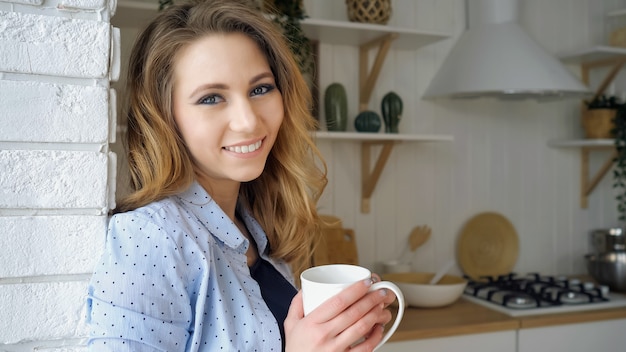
(619, 169)
(604, 102)
(165, 3)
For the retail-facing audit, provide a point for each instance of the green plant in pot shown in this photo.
(597, 118)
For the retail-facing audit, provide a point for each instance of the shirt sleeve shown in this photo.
(137, 298)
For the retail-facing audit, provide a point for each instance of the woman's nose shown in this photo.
(243, 116)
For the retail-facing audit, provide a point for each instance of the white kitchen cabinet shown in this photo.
(501, 341)
(600, 336)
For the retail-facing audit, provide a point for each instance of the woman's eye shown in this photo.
(210, 100)
(264, 89)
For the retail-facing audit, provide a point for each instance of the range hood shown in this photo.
(494, 57)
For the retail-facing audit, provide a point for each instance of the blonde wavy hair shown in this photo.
(283, 199)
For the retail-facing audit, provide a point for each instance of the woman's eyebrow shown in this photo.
(261, 76)
(208, 86)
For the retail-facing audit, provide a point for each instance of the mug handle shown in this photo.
(400, 297)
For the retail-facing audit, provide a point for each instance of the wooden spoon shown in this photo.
(418, 236)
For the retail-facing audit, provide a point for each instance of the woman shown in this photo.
(199, 256)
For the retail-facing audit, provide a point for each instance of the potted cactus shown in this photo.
(391, 107)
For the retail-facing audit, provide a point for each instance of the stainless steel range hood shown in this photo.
(494, 57)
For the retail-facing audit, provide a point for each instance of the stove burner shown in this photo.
(521, 302)
(535, 291)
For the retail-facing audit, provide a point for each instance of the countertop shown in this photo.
(465, 317)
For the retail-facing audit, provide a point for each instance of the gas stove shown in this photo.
(534, 294)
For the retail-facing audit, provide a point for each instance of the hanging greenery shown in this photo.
(165, 3)
(619, 169)
(287, 14)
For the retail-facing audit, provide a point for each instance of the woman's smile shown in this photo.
(245, 148)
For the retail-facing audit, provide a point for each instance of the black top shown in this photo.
(276, 291)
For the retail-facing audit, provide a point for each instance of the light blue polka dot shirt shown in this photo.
(174, 277)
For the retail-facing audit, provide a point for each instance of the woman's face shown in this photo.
(227, 107)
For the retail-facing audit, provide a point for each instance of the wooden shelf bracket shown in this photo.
(367, 78)
(588, 184)
(367, 81)
(369, 177)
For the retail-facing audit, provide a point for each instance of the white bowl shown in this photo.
(418, 293)
(396, 266)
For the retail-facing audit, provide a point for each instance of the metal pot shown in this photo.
(608, 240)
(608, 269)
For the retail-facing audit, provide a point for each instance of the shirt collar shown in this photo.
(201, 204)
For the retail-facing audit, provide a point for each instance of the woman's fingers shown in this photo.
(370, 341)
(376, 316)
(359, 318)
(340, 302)
(391, 297)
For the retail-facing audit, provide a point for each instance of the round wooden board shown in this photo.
(488, 246)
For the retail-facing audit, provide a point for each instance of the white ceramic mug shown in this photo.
(322, 282)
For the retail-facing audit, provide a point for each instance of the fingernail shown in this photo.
(368, 282)
(383, 291)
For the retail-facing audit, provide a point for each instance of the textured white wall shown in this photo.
(57, 176)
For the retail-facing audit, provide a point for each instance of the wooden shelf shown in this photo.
(369, 175)
(588, 59)
(380, 38)
(357, 34)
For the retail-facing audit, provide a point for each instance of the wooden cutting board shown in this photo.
(337, 246)
(487, 246)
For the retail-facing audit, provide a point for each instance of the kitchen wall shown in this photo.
(499, 159)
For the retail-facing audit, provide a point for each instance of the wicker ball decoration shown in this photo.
(369, 11)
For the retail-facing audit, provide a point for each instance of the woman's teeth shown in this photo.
(242, 149)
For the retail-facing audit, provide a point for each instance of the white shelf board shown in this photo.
(591, 54)
(352, 33)
(577, 143)
(366, 136)
(616, 13)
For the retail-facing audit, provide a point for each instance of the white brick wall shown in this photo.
(71, 112)
(57, 175)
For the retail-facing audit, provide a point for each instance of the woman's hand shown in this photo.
(353, 315)
(391, 297)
